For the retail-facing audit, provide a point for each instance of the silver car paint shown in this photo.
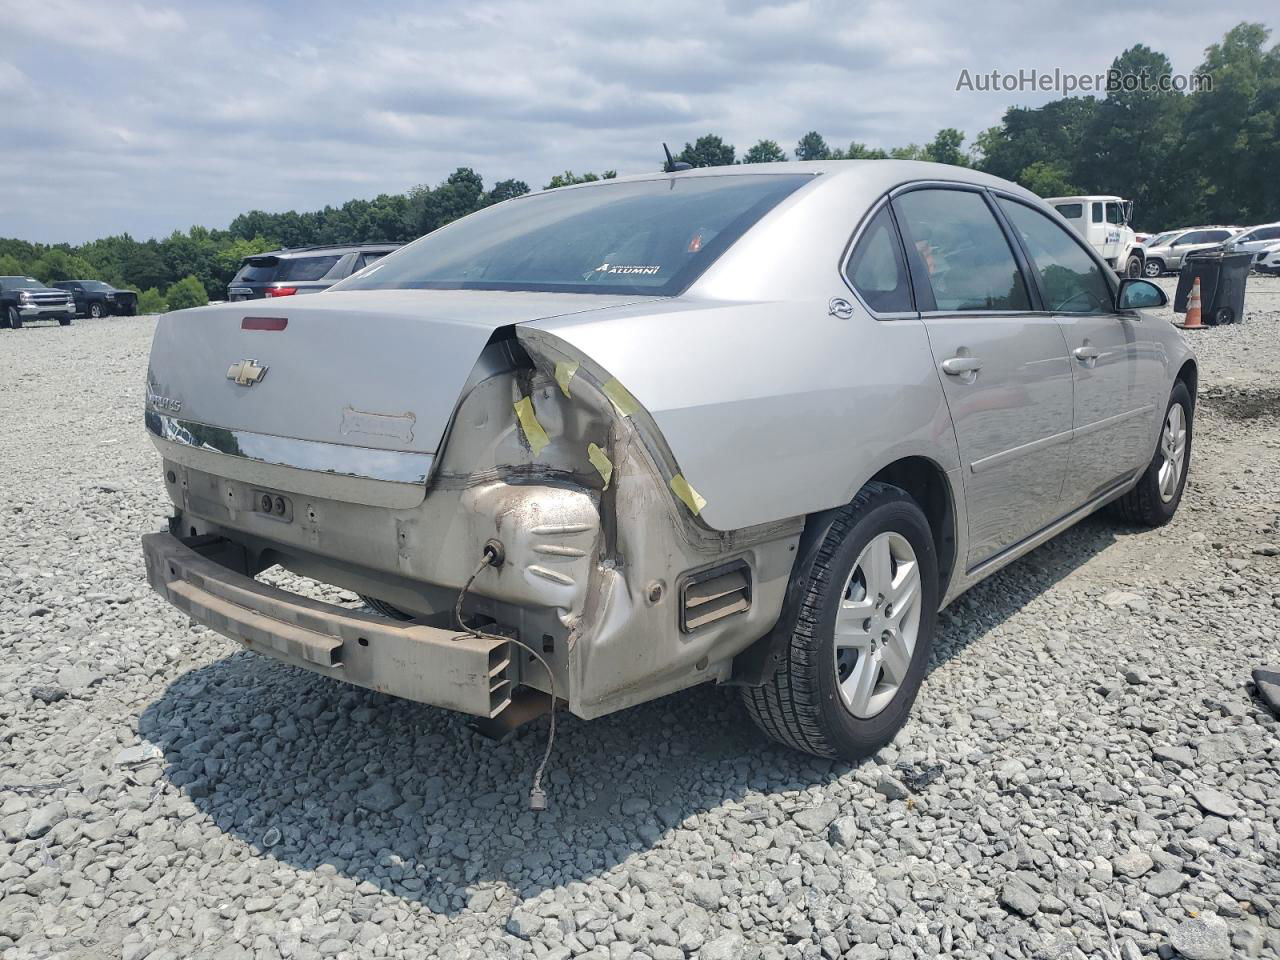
(771, 403)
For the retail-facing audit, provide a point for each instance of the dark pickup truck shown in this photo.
(25, 298)
(95, 299)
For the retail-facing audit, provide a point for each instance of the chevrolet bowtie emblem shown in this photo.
(246, 372)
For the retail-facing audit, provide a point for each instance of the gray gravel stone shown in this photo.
(1216, 802)
(1204, 937)
(1133, 863)
(1019, 897)
(816, 819)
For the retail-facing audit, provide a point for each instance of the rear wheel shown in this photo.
(95, 311)
(64, 321)
(1155, 498)
(862, 640)
(1153, 268)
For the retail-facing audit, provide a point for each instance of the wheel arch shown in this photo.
(926, 482)
(1189, 374)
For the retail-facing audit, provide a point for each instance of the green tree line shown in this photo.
(1206, 156)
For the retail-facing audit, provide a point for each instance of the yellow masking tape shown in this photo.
(565, 370)
(600, 460)
(621, 398)
(689, 496)
(533, 431)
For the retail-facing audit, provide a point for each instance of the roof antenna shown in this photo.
(673, 165)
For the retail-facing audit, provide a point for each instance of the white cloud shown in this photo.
(144, 117)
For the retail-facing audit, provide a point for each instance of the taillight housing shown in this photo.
(281, 291)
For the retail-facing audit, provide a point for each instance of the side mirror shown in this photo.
(1136, 294)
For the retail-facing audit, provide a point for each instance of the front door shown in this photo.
(1003, 365)
(1115, 362)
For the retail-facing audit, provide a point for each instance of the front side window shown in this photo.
(1072, 280)
(1114, 214)
(955, 240)
(647, 237)
(876, 268)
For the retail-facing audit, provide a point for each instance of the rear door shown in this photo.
(1002, 362)
(1116, 362)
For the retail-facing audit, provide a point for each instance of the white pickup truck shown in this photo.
(1103, 221)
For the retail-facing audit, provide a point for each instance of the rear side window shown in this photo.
(624, 237)
(305, 268)
(876, 268)
(257, 270)
(956, 243)
(1072, 211)
(1215, 235)
(1072, 281)
(1097, 213)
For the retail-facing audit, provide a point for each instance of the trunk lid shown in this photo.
(378, 369)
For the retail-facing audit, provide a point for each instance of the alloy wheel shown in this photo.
(877, 624)
(1173, 452)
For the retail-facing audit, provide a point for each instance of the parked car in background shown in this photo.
(1166, 253)
(1254, 239)
(751, 425)
(1267, 260)
(1103, 221)
(23, 299)
(286, 273)
(93, 298)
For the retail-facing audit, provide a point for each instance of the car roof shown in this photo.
(325, 249)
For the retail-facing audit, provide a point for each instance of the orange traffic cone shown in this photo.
(1193, 309)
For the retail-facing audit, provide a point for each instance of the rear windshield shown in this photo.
(649, 237)
(95, 285)
(1071, 211)
(257, 270)
(305, 268)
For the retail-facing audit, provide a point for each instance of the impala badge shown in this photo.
(246, 373)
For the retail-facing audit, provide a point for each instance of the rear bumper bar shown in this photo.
(413, 660)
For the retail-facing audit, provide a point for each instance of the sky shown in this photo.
(145, 117)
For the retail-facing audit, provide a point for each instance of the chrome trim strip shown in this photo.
(1106, 422)
(1004, 456)
(365, 463)
(1027, 544)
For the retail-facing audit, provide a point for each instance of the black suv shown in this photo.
(95, 299)
(284, 273)
(26, 298)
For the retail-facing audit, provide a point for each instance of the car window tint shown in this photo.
(1072, 280)
(259, 270)
(1214, 235)
(304, 268)
(1072, 211)
(1269, 233)
(876, 268)
(1113, 213)
(962, 251)
(1097, 213)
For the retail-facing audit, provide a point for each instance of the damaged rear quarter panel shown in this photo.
(760, 403)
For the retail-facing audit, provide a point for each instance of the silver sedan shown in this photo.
(751, 425)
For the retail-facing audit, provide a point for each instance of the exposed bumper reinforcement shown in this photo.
(413, 660)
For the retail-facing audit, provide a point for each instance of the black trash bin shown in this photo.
(1222, 281)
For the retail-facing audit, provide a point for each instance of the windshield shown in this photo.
(22, 283)
(1161, 239)
(648, 237)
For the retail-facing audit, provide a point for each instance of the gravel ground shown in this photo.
(1086, 752)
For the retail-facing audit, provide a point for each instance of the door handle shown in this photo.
(958, 366)
(1085, 353)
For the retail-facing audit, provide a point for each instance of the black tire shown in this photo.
(64, 321)
(384, 608)
(95, 311)
(1133, 268)
(800, 706)
(1143, 505)
(1153, 268)
(15, 319)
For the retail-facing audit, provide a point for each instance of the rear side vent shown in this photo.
(714, 594)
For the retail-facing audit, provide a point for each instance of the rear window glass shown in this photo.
(305, 268)
(877, 270)
(1072, 211)
(259, 270)
(649, 237)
